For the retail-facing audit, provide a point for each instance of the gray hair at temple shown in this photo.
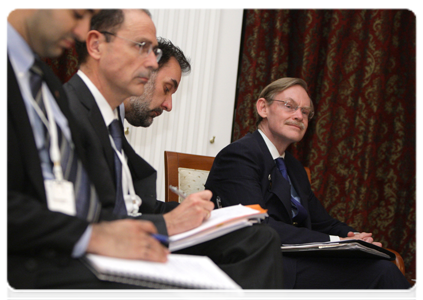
(278, 86)
(106, 20)
(170, 50)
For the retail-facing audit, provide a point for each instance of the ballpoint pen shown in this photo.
(163, 239)
(177, 191)
(218, 202)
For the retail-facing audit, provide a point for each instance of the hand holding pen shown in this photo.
(190, 213)
(177, 191)
(183, 195)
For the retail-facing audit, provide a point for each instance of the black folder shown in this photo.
(347, 248)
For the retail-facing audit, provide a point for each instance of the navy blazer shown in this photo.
(245, 172)
(97, 144)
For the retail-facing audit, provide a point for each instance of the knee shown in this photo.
(266, 233)
(387, 269)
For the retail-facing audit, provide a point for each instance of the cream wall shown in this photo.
(203, 105)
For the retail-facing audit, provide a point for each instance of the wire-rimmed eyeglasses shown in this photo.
(145, 48)
(291, 107)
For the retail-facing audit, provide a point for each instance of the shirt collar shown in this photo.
(20, 54)
(272, 148)
(106, 111)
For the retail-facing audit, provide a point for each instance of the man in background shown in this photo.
(46, 238)
(121, 51)
(163, 83)
(258, 169)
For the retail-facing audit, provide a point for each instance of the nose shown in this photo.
(298, 115)
(167, 104)
(151, 61)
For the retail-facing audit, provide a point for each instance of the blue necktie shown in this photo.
(86, 199)
(116, 131)
(300, 213)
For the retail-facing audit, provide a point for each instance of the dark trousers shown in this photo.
(342, 273)
(251, 256)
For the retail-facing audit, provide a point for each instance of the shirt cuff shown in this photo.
(81, 246)
(334, 238)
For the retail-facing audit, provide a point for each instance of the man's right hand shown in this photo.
(190, 213)
(127, 238)
(364, 236)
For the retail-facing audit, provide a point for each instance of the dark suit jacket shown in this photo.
(33, 231)
(97, 144)
(245, 172)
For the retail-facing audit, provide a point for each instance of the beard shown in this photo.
(138, 112)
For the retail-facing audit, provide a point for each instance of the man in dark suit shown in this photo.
(46, 238)
(251, 171)
(116, 59)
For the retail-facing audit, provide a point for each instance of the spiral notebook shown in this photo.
(180, 272)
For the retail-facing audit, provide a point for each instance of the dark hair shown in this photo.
(170, 50)
(106, 20)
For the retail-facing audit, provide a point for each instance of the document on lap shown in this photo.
(347, 248)
(221, 221)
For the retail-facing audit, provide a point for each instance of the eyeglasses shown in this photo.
(291, 107)
(145, 48)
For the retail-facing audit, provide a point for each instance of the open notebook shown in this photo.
(180, 271)
(221, 221)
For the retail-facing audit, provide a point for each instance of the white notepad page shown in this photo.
(191, 270)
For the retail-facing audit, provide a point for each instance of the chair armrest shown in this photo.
(399, 262)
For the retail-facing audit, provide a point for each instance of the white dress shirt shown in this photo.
(22, 58)
(109, 116)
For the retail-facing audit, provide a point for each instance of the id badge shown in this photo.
(132, 205)
(60, 196)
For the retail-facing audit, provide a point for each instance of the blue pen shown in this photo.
(163, 239)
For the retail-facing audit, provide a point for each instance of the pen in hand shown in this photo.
(177, 191)
(218, 202)
(163, 239)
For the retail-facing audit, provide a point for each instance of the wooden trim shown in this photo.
(175, 160)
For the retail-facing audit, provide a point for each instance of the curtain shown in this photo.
(64, 66)
(360, 66)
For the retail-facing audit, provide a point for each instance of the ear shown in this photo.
(262, 107)
(93, 41)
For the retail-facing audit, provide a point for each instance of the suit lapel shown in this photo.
(95, 118)
(18, 116)
(144, 177)
(277, 184)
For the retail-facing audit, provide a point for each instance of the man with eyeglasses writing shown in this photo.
(257, 169)
(120, 52)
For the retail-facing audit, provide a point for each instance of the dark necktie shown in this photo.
(86, 200)
(300, 213)
(36, 80)
(115, 129)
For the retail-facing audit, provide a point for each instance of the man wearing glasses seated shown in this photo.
(257, 169)
(119, 56)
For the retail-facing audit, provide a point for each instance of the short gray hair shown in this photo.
(278, 86)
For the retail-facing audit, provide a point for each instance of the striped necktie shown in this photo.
(115, 129)
(86, 199)
(299, 212)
